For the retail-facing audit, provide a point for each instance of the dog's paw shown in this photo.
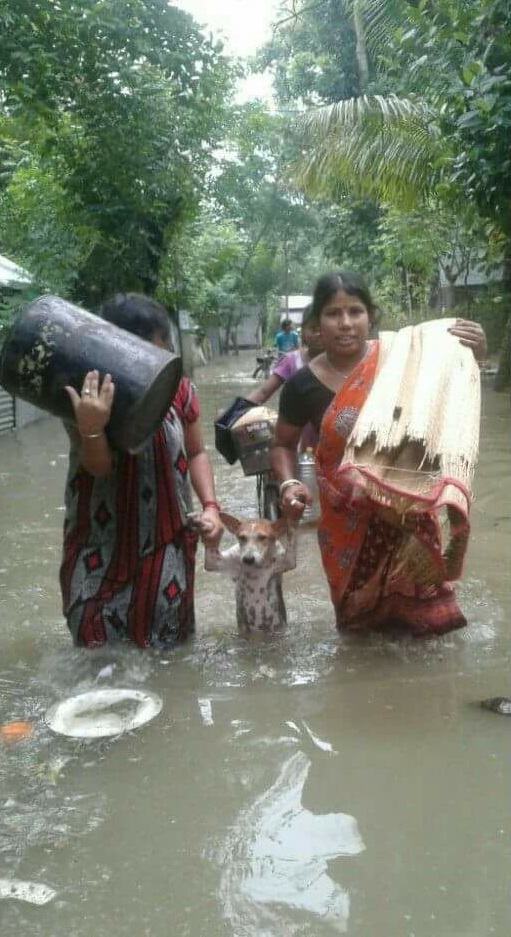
(194, 521)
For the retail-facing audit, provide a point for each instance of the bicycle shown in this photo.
(264, 364)
(250, 442)
(267, 490)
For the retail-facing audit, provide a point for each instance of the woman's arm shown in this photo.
(92, 412)
(264, 391)
(203, 483)
(295, 495)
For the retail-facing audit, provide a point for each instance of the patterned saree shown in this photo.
(380, 535)
(128, 562)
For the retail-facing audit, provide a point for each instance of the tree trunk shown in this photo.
(503, 377)
(286, 279)
(228, 326)
(361, 49)
(408, 294)
(449, 295)
(434, 286)
(263, 319)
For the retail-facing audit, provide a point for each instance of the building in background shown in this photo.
(14, 413)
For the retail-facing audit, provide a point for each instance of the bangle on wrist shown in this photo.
(287, 484)
(92, 435)
(211, 504)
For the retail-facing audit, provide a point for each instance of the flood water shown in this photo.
(304, 785)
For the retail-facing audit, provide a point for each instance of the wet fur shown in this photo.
(256, 563)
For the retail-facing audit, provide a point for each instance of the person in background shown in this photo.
(128, 562)
(360, 549)
(287, 338)
(289, 364)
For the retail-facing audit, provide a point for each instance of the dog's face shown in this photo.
(257, 539)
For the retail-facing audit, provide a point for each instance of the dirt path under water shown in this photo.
(305, 785)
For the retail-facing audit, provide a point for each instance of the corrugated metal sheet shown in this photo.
(6, 411)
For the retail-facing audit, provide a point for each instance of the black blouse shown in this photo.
(304, 399)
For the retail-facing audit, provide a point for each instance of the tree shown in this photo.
(278, 227)
(313, 55)
(123, 104)
(40, 229)
(441, 131)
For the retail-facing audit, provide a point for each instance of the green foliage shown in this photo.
(370, 146)
(432, 139)
(199, 270)
(11, 303)
(40, 230)
(469, 96)
(349, 232)
(313, 54)
(255, 236)
(122, 102)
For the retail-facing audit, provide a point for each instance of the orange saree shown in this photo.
(387, 569)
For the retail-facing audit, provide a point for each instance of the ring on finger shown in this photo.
(86, 391)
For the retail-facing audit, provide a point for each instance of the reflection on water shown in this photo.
(276, 859)
(232, 813)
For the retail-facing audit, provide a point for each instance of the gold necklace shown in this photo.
(345, 373)
(335, 370)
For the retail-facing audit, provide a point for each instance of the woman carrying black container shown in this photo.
(129, 559)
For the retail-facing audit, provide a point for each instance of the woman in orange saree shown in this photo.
(384, 571)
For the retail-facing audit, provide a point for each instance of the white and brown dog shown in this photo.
(256, 562)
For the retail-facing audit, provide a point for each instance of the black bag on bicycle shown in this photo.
(224, 443)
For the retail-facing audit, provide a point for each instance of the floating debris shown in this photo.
(206, 711)
(85, 716)
(320, 743)
(16, 731)
(26, 891)
(498, 704)
(105, 672)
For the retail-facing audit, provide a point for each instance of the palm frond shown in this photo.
(355, 111)
(388, 22)
(384, 147)
(381, 18)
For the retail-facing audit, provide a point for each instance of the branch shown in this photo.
(296, 14)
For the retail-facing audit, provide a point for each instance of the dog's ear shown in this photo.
(280, 527)
(232, 523)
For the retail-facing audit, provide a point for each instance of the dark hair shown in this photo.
(139, 314)
(308, 316)
(285, 321)
(352, 284)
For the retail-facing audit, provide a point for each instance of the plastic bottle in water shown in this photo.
(307, 475)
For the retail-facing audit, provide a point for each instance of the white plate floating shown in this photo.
(99, 713)
(32, 892)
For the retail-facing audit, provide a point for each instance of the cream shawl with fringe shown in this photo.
(422, 414)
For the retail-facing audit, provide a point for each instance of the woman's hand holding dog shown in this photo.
(210, 527)
(294, 499)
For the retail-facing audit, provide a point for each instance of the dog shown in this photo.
(256, 563)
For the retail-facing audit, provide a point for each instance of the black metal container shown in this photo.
(53, 343)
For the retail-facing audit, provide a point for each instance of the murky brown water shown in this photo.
(299, 786)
